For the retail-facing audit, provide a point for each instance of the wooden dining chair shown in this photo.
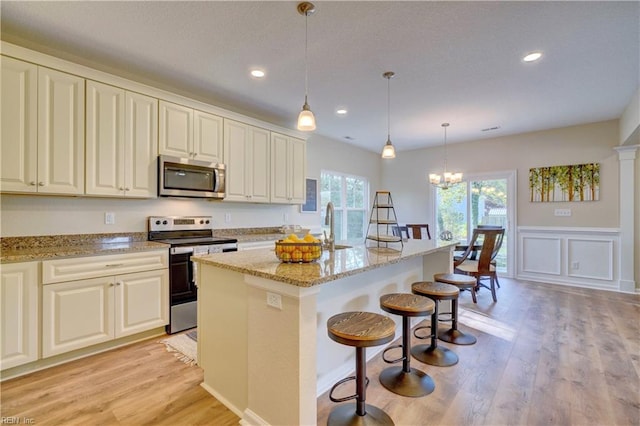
(419, 231)
(483, 267)
(400, 231)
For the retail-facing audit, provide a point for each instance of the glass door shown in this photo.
(480, 200)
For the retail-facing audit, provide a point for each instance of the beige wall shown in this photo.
(406, 175)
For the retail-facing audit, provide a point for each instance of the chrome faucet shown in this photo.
(329, 220)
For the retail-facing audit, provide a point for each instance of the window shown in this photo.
(349, 195)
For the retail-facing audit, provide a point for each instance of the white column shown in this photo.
(627, 156)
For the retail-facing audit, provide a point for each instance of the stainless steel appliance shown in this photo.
(183, 177)
(187, 236)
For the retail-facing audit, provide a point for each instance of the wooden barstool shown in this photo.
(405, 380)
(359, 329)
(462, 282)
(433, 354)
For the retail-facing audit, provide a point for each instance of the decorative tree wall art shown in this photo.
(580, 182)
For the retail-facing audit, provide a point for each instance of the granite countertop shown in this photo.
(27, 249)
(331, 266)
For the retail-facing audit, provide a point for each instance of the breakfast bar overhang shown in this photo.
(262, 338)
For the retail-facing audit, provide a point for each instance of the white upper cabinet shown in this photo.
(19, 129)
(246, 155)
(42, 130)
(121, 142)
(288, 169)
(188, 133)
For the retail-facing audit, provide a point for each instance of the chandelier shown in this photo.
(447, 179)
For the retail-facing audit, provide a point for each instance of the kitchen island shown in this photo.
(262, 338)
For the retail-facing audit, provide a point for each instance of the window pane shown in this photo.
(355, 224)
(452, 211)
(338, 228)
(355, 192)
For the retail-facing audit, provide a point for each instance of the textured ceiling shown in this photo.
(457, 62)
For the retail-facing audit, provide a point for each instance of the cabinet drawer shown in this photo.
(59, 270)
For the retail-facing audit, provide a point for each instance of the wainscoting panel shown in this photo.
(582, 257)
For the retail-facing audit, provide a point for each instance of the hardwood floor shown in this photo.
(546, 355)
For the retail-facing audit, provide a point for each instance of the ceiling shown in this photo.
(457, 62)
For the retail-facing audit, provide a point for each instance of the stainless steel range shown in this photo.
(188, 236)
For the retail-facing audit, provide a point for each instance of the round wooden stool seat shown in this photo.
(362, 330)
(406, 304)
(462, 282)
(438, 291)
(459, 280)
(405, 380)
(433, 354)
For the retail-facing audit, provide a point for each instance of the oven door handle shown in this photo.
(181, 250)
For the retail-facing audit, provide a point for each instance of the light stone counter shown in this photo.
(331, 266)
(262, 336)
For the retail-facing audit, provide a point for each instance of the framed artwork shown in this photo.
(311, 198)
(579, 182)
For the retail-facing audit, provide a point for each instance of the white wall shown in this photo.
(406, 175)
(23, 215)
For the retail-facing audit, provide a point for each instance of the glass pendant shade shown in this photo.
(306, 119)
(388, 151)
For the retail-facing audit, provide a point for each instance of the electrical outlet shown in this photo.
(575, 265)
(274, 300)
(227, 217)
(562, 212)
(109, 218)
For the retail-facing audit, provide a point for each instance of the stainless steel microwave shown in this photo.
(183, 177)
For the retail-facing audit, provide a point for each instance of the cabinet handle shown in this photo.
(32, 183)
(113, 265)
(118, 282)
(111, 285)
(41, 183)
(126, 189)
(121, 189)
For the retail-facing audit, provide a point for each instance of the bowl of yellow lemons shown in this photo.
(294, 249)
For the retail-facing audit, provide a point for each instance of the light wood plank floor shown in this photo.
(546, 355)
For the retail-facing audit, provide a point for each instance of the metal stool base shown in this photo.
(438, 356)
(456, 337)
(416, 383)
(345, 414)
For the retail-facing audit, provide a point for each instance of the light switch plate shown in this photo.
(109, 218)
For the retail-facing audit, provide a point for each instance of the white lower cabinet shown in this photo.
(18, 314)
(84, 312)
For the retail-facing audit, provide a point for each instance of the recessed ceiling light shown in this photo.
(341, 111)
(533, 56)
(257, 73)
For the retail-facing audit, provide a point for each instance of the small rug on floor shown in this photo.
(184, 346)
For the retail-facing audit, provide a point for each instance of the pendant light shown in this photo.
(447, 179)
(388, 151)
(306, 120)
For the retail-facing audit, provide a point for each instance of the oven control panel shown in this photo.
(181, 223)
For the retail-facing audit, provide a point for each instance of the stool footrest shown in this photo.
(392, 361)
(422, 327)
(346, 398)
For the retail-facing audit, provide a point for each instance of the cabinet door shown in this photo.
(176, 130)
(207, 137)
(279, 169)
(260, 143)
(288, 169)
(19, 314)
(19, 129)
(105, 110)
(77, 314)
(235, 156)
(60, 132)
(297, 170)
(141, 146)
(142, 301)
